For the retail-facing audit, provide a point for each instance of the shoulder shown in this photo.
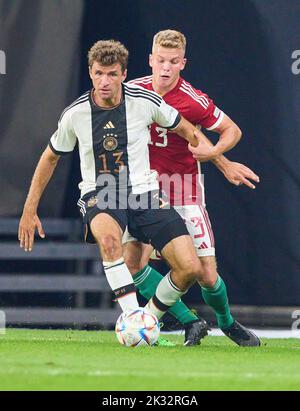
(135, 92)
(76, 105)
(142, 81)
(195, 96)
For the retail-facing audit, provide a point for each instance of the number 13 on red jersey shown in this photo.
(162, 135)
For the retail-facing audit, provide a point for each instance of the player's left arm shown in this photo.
(235, 173)
(167, 116)
(229, 135)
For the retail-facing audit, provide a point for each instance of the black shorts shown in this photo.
(156, 222)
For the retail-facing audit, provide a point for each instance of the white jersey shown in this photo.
(114, 142)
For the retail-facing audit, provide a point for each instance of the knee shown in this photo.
(110, 246)
(208, 281)
(192, 270)
(209, 275)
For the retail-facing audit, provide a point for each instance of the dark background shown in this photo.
(239, 52)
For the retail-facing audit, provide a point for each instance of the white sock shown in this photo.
(121, 282)
(166, 295)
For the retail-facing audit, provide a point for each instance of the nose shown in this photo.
(104, 81)
(166, 66)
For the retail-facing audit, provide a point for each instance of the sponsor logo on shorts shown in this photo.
(92, 202)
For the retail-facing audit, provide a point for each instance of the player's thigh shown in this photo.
(104, 224)
(98, 221)
(199, 227)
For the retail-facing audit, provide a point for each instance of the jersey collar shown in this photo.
(94, 105)
(174, 89)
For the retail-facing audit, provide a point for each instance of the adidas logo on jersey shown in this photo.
(109, 125)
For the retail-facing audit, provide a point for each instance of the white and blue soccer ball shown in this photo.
(137, 327)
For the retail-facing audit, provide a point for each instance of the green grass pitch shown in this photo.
(94, 360)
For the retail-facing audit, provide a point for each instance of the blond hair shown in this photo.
(169, 39)
(107, 53)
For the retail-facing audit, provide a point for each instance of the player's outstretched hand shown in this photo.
(238, 174)
(28, 223)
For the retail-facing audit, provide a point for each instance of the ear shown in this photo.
(90, 72)
(150, 60)
(184, 61)
(124, 75)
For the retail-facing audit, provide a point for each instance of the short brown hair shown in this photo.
(107, 53)
(169, 39)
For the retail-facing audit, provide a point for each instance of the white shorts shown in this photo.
(199, 227)
(127, 237)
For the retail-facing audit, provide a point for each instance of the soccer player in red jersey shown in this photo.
(175, 160)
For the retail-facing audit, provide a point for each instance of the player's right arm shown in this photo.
(62, 142)
(30, 221)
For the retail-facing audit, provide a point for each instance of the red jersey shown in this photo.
(169, 153)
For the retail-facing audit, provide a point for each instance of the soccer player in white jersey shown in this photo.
(110, 124)
(171, 155)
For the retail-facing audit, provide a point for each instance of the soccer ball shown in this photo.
(137, 327)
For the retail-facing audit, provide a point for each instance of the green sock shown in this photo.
(216, 298)
(146, 282)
